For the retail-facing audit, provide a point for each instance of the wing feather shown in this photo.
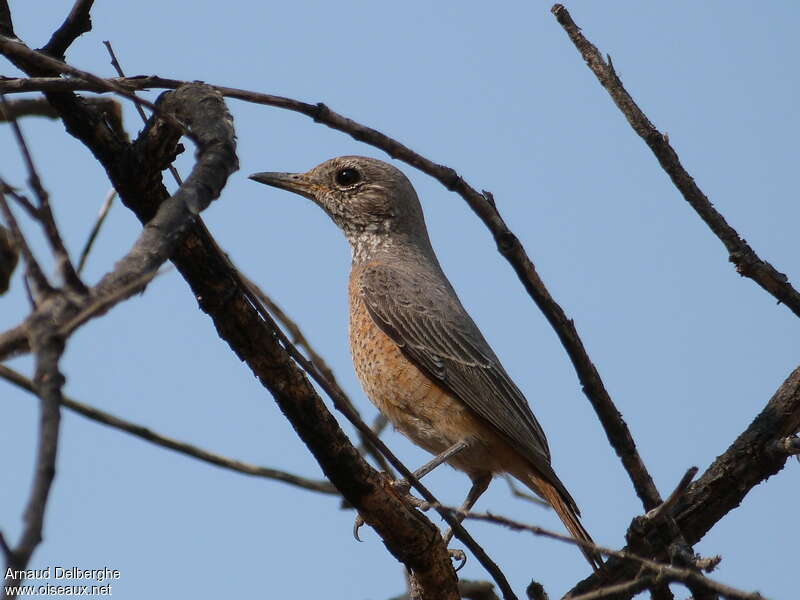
(421, 313)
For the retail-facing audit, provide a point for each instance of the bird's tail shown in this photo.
(567, 512)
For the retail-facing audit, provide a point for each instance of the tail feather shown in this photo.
(567, 512)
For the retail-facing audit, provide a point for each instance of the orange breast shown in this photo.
(418, 407)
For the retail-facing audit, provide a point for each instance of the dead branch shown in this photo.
(203, 110)
(724, 485)
(745, 259)
(147, 434)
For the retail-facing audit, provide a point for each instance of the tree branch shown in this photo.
(40, 107)
(47, 384)
(76, 24)
(147, 434)
(747, 262)
(204, 111)
(43, 213)
(749, 461)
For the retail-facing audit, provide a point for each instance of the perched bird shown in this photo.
(420, 357)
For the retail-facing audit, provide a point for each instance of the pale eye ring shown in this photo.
(348, 176)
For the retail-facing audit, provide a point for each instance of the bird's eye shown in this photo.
(347, 177)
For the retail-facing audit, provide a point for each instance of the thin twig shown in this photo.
(101, 218)
(44, 213)
(16, 51)
(665, 508)
(628, 588)
(33, 270)
(747, 262)
(101, 304)
(118, 68)
(99, 416)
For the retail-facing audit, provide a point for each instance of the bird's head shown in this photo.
(370, 200)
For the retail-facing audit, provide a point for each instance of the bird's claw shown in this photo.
(359, 522)
(403, 489)
(401, 486)
(457, 556)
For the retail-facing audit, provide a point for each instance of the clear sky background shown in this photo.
(689, 351)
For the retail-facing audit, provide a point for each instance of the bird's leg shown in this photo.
(433, 463)
(479, 485)
(404, 487)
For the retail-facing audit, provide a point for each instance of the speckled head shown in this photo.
(372, 202)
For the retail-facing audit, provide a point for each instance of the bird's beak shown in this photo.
(294, 182)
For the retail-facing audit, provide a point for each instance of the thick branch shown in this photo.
(76, 24)
(204, 111)
(740, 253)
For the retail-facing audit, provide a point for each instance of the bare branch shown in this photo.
(665, 508)
(121, 73)
(723, 486)
(33, 269)
(42, 65)
(740, 253)
(76, 24)
(9, 255)
(40, 107)
(103, 303)
(44, 214)
(6, 26)
(14, 341)
(149, 435)
(204, 111)
(627, 589)
(47, 384)
(101, 218)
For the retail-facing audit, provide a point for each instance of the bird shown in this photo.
(419, 356)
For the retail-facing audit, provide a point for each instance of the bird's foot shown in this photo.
(402, 488)
(359, 522)
(458, 557)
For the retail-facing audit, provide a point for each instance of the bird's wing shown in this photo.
(421, 313)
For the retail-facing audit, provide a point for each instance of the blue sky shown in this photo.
(689, 350)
